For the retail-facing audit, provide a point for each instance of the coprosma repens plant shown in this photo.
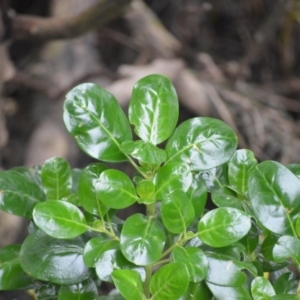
(245, 248)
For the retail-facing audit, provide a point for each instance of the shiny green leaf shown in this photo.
(274, 193)
(144, 152)
(295, 169)
(169, 282)
(19, 193)
(197, 291)
(203, 143)
(58, 219)
(47, 291)
(87, 189)
(90, 115)
(86, 290)
(251, 240)
(171, 177)
(224, 197)
(56, 178)
(54, 260)
(261, 289)
(239, 167)
(223, 226)
(287, 247)
(228, 292)
(287, 283)
(153, 108)
(12, 277)
(215, 178)
(268, 245)
(142, 239)
(145, 189)
(115, 189)
(177, 211)
(129, 283)
(194, 259)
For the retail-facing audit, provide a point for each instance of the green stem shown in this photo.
(151, 210)
(135, 166)
(161, 262)
(148, 270)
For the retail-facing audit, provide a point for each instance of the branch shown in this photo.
(99, 14)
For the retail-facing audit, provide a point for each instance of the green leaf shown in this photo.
(129, 283)
(87, 189)
(197, 291)
(285, 297)
(223, 226)
(224, 197)
(12, 277)
(111, 297)
(19, 193)
(287, 283)
(177, 211)
(142, 239)
(274, 193)
(268, 245)
(58, 219)
(251, 240)
(115, 189)
(47, 291)
(153, 108)
(287, 247)
(90, 115)
(54, 260)
(171, 177)
(239, 168)
(145, 189)
(169, 282)
(295, 169)
(194, 259)
(261, 289)
(56, 178)
(86, 290)
(144, 152)
(228, 292)
(202, 143)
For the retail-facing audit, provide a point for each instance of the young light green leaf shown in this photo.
(153, 108)
(87, 189)
(194, 259)
(145, 189)
(56, 178)
(223, 226)
(55, 260)
(144, 152)
(261, 289)
(239, 168)
(274, 193)
(129, 283)
(61, 220)
(202, 143)
(229, 292)
(19, 193)
(177, 211)
(169, 282)
(142, 239)
(90, 115)
(171, 177)
(12, 276)
(115, 189)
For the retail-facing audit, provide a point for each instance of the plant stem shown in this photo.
(135, 166)
(151, 210)
(148, 270)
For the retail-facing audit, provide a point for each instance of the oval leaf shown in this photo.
(261, 289)
(115, 189)
(57, 261)
(223, 226)
(228, 292)
(142, 239)
(274, 193)
(90, 115)
(197, 291)
(58, 219)
(287, 283)
(153, 108)
(202, 143)
(287, 247)
(56, 178)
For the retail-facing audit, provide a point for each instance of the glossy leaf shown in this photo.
(145, 189)
(228, 292)
(47, 292)
(239, 168)
(224, 197)
(171, 177)
(194, 259)
(144, 152)
(54, 260)
(129, 283)
(12, 276)
(267, 246)
(251, 240)
(86, 290)
(295, 169)
(115, 189)
(19, 193)
(142, 239)
(197, 291)
(261, 289)
(87, 189)
(56, 178)
(203, 143)
(287, 247)
(58, 219)
(177, 211)
(274, 193)
(153, 108)
(223, 226)
(287, 283)
(90, 115)
(169, 282)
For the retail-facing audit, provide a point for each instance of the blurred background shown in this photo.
(233, 60)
